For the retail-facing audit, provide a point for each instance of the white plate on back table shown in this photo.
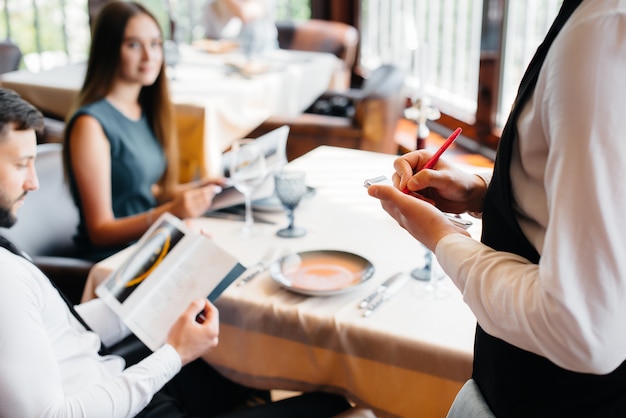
(321, 273)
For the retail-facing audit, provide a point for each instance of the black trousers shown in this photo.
(200, 391)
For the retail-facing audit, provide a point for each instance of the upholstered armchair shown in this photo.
(46, 224)
(10, 56)
(316, 35)
(364, 118)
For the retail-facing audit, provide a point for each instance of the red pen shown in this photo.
(433, 160)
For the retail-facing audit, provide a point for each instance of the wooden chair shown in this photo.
(316, 35)
(369, 122)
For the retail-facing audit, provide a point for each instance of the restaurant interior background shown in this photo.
(465, 56)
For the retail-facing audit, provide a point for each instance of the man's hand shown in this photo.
(191, 337)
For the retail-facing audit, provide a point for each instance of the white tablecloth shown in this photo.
(214, 104)
(407, 359)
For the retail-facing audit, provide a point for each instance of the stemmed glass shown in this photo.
(248, 45)
(290, 187)
(247, 171)
(430, 275)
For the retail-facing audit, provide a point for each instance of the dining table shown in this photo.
(218, 96)
(408, 358)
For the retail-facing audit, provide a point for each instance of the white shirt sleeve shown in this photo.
(103, 321)
(568, 178)
(129, 393)
(50, 364)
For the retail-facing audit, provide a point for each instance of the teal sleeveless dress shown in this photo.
(137, 162)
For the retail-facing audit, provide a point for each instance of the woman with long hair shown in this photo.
(121, 150)
(120, 155)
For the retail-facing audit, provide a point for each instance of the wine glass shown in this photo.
(290, 187)
(247, 44)
(247, 171)
(429, 277)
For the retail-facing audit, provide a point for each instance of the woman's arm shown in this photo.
(90, 158)
(180, 189)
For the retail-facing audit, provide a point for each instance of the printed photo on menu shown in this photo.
(145, 259)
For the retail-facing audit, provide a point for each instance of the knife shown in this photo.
(386, 294)
(380, 289)
(259, 267)
(458, 221)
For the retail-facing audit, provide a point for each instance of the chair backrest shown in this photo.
(10, 56)
(47, 222)
(317, 35)
(379, 107)
(385, 81)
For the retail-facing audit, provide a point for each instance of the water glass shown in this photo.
(290, 187)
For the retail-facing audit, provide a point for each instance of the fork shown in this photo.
(261, 266)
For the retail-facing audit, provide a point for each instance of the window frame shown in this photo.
(484, 132)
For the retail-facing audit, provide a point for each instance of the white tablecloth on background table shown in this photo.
(214, 104)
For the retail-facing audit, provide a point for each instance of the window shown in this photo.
(452, 51)
(55, 32)
(437, 41)
(467, 56)
(49, 32)
(526, 23)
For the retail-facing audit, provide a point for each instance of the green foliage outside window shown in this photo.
(293, 9)
(61, 27)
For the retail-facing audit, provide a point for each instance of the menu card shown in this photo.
(170, 267)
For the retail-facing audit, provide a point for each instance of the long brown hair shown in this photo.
(102, 67)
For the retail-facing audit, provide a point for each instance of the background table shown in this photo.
(214, 104)
(407, 359)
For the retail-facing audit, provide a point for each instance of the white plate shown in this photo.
(321, 273)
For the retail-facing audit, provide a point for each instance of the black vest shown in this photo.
(515, 382)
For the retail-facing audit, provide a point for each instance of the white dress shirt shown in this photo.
(568, 170)
(50, 364)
